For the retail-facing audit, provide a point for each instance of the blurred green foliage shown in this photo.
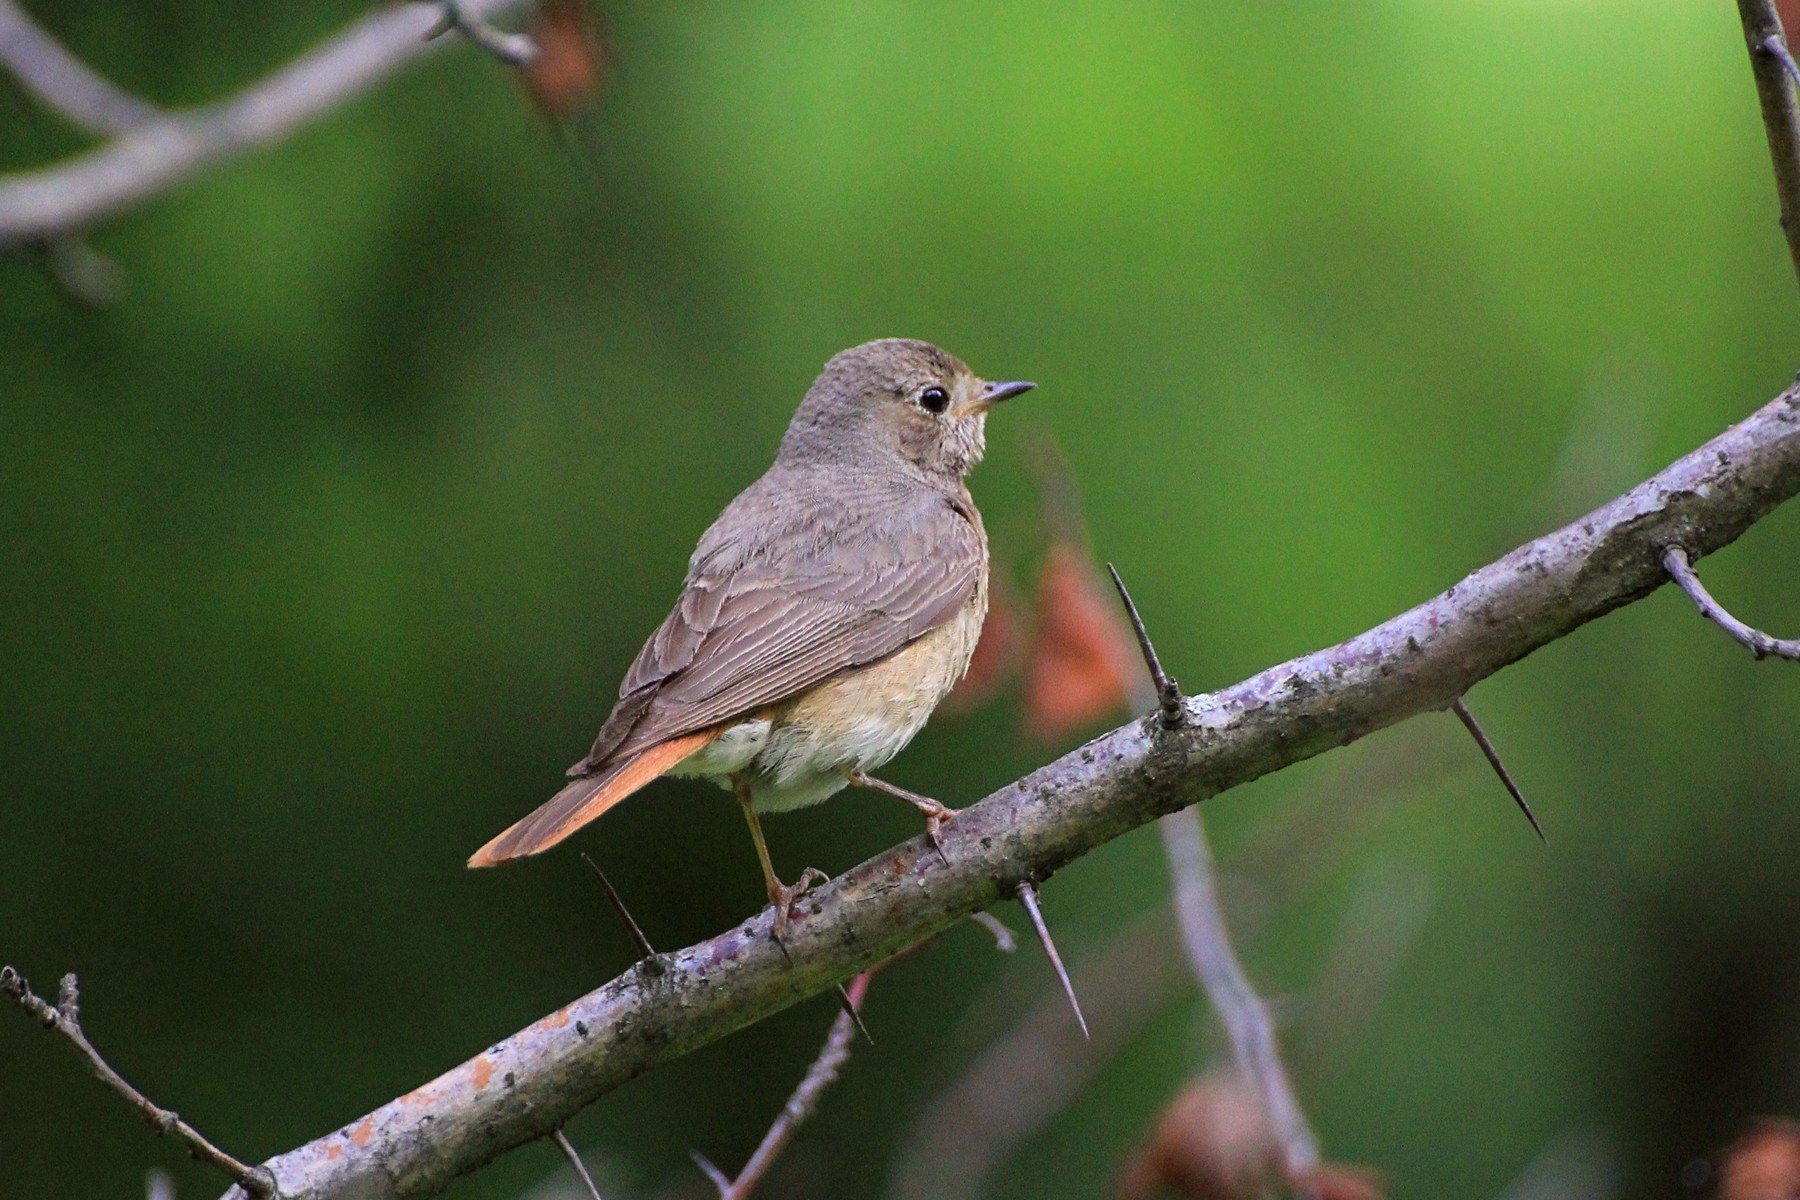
(325, 548)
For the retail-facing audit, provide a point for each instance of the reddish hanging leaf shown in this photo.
(570, 69)
(1083, 658)
(1764, 1164)
(996, 654)
(1212, 1143)
(1789, 12)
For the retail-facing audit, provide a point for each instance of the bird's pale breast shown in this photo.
(797, 752)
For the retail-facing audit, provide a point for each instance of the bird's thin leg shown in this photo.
(936, 811)
(781, 895)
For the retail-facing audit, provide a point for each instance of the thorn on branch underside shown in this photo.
(1028, 900)
(1171, 712)
(64, 1017)
(1488, 751)
(513, 49)
(1680, 568)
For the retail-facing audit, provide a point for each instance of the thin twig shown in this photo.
(513, 49)
(65, 1018)
(1761, 645)
(1775, 75)
(801, 1104)
(160, 153)
(1246, 1018)
(1028, 900)
(646, 952)
(1461, 709)
(63, 82)
(1168, 692)
(569, 1152)
(1413, 663)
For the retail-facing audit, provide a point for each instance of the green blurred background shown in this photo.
(325, 548)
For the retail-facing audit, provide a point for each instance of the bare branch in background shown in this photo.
(1461, 708)
(1760, 644)
(63, 82)
(574, 1156)
(520, 1089)
(513, 49)
(1771, 63)
(159, 153)
(64, 1017)
(801, 1104)
(1247, 1021)
(1015, 1083)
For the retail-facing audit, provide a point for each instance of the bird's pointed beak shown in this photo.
(994, 393)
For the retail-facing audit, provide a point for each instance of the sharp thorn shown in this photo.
(638, 940)
(850, 1010)
(1493, 756)
(1168, 692)
(1028, 900)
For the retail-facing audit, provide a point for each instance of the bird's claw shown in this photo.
(785, 896)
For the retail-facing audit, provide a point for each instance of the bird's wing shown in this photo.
(757, 626)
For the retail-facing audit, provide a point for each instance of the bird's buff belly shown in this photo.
(798, 752)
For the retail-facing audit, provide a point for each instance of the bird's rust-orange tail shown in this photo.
(585, 799)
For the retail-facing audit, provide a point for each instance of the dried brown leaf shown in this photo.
(570, 69)
(1213, 1142)
(1763, 1164)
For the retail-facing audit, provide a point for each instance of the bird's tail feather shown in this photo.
(586, 798)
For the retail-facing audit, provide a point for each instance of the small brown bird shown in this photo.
(827, 611)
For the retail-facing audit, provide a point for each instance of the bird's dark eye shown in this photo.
(934, 399)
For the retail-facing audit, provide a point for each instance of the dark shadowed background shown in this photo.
(323, 551)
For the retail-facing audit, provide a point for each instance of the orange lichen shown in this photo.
(556, 1020)
(363, 1132)
(484, 1071)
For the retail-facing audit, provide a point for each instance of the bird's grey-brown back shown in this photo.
(859, 539)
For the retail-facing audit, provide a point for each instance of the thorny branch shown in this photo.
(520, 1089)
(63, 82)
(64, 1017)
(1247, 1021)
(1773, 68)
(1760, 644)
(163, 150)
